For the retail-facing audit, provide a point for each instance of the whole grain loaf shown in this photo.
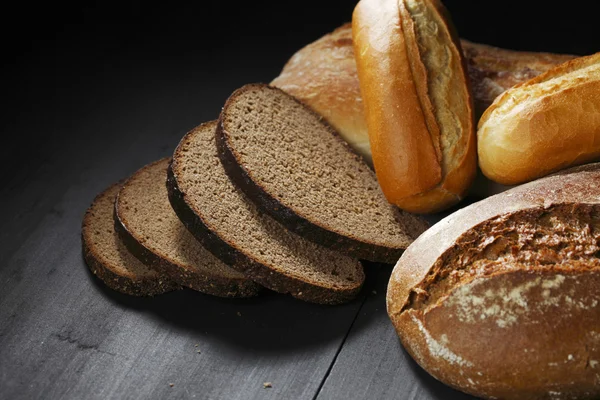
(501, 299)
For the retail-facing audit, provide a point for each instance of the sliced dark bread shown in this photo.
(108, 258)
(235, 230)
(153, 233)
(297, 169)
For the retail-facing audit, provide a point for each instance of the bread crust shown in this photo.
(466, 336)
(403, 149)
(240, 261)
(128, 284)
(420, 165)
(493, 70)
(543, 125)
(212, 284)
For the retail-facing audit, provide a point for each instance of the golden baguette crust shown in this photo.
(418, 106)
(543, 125)
(499, 309)
(403, 149)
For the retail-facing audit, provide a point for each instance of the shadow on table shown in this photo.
(268, 322)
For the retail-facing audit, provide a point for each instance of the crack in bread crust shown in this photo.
(563, 237)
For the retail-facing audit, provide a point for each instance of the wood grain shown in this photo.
(372, 363)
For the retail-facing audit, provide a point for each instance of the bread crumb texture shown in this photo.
(557, 238)
(237, 221)
(302, 163)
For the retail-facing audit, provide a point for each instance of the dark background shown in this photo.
(64, 63)
(64, 54)
(51, 48)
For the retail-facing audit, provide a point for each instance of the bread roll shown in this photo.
(544, 124)
(502, 298)
(417, 102)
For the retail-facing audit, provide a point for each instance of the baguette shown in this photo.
(323, 75)
(501, 299)
(417, 101)
(543, 125)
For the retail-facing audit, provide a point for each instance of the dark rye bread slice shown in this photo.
(153, 233)
(108, 258)
(296, 168)
(235, 230)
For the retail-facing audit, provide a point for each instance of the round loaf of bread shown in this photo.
(543, 125)
(418, 105)
(502, 298)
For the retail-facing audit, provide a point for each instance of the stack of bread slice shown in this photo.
(267, 196)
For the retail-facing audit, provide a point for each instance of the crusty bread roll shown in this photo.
(543, 125)
(417, 101)
(501, 299)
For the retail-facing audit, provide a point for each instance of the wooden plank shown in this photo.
(64, 335)
(372, 364)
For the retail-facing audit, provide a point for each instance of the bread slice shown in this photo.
(235, 230)
(299, 170)
(108, 258)
(152, 232)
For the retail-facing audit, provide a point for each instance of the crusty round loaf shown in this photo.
(323, 75)
(543, 125)
(502, 298)
(417, 100)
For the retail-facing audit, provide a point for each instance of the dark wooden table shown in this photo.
(90, 103)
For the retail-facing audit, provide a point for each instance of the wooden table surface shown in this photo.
(90, 108)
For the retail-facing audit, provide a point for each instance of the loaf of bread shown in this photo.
(417, 102)
(543, 125)
(323, 75)
(502, 298)
(493, 70)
